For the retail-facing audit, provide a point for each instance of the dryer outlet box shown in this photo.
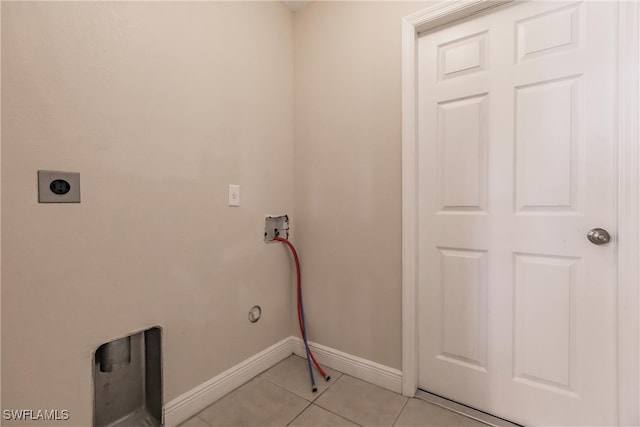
(58, 187)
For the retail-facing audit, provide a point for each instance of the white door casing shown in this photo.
(532, 217)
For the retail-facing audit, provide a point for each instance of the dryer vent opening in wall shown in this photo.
(127, 379)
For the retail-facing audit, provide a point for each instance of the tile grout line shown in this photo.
(293, 392)
(336, 377)
(300, 413)
(287, 390)
(334, 413)
(338, 415)
(313, 402)
(257, 378)
(406, 402)
(331, 382)
(329, 410)
(201, 419)
(374, 385)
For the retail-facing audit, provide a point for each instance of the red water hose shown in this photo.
(299, 292)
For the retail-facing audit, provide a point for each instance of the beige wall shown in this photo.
(347, 173)
(159, 106)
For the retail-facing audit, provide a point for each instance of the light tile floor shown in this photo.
(281, 396)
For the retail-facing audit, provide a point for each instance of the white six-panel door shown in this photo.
(516, 148)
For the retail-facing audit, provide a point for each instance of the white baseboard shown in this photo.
(357, 367)
(190, 403)
(195, 400)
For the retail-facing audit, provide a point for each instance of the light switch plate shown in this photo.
(58, 187)
(234, 195)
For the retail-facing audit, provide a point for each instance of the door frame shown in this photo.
(628, 195)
